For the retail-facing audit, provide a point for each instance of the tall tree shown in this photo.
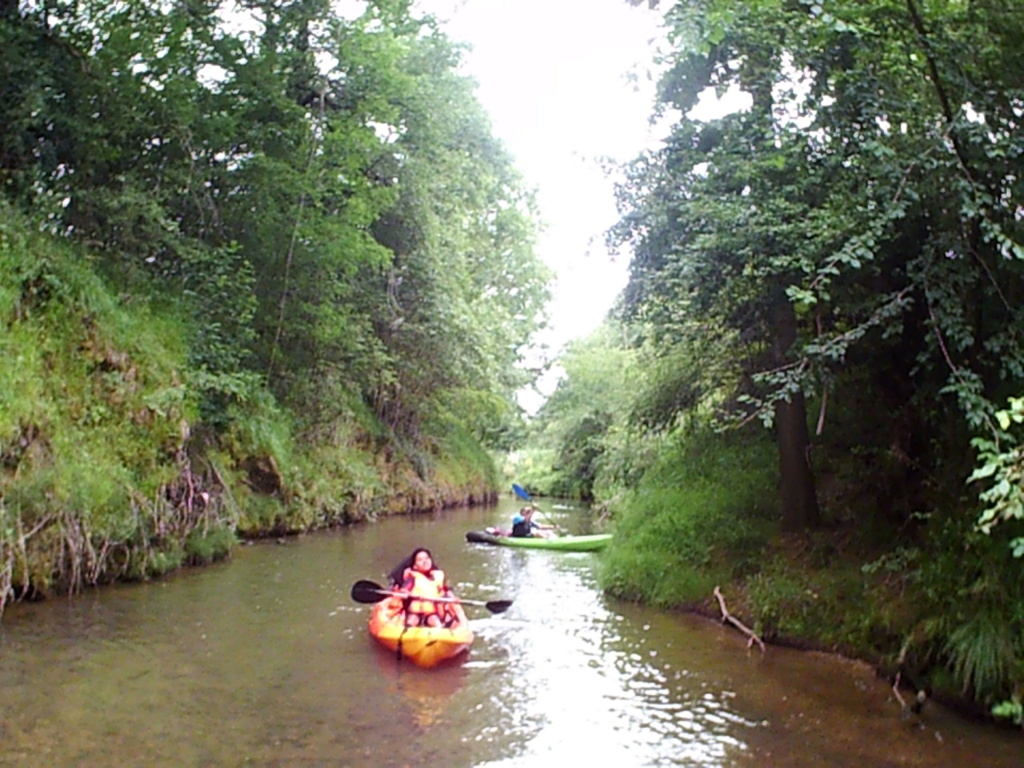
(321, 193)
(463, 292)
(826, 213)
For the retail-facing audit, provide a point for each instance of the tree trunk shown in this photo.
(798, 497)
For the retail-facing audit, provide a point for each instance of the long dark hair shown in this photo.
(397, 575)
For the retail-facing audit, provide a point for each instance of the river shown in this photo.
(264, 660)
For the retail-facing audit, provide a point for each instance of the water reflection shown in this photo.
(426, 693)
(581, 668)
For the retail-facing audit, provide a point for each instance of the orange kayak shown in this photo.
(423, 646)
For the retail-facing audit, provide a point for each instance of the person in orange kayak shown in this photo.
(418, 577)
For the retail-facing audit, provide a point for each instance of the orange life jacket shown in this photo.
(426, 585)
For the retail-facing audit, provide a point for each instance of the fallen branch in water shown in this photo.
(915, 707)
(920, 694)
(728, 617)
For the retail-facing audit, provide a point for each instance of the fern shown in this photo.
(982, 656)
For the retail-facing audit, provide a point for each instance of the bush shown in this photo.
(702, 514)
(204, 547)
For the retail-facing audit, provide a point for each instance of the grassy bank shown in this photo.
(109, 470)
(940, 604)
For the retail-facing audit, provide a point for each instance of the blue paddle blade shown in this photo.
(521, 492)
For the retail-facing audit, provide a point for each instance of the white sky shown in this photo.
(552, 76)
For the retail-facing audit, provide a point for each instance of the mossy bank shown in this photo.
(112, 466)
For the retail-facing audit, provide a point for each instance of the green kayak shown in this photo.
(588, 543)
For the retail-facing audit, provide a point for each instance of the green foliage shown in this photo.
(262, 515)
(94, 406)
(266, 184)
(867, 187)
(20, 382)
(204, 547)
(452, 310)
(260, 427)
(465, 462)
(1012, 710)
(89, 482)
(1001, 462)
(852, 235)
(279, 318)
(582, 424)
(828, 601)
(969, 594)
(648, 577)
(701, 512)
(785, 605)
(983, 653)
(685, 377)
(145, 564)
(334, 484)
(530, 467)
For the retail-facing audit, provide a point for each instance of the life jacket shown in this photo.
(521, 527)
(426, 585)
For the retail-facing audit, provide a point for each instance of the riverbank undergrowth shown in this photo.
(939, 604)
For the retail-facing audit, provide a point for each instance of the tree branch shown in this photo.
(728, 617)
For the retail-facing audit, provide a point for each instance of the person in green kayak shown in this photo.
(523, 524)
(421, 581)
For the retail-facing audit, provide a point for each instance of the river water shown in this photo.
(265, 660)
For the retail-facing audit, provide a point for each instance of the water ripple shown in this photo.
(265, 661)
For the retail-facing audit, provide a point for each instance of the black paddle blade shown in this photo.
(364, 591)
(498, 606)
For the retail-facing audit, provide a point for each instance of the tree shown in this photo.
(819, 223)
(455, 305)
(586, 414)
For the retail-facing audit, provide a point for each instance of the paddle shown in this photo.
(365, 591)
(519, 491)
